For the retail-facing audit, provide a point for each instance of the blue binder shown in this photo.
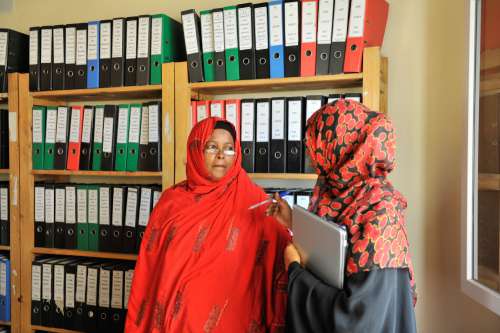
(276, 50)
(93, 57)
(5, 289)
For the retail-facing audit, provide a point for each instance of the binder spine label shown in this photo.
(47, 282)
(3, 48)
(275, 26)
(87, 124)
(60, 200)
(50, 136)
(98, 126)
(46, 46)
(92, 42)
(69, 298)
(81, 47)
(104, 206)
(70, 205)
(74, 133)
(36, 285)
(231, 115)
(145, 207)
(154, 136)
(261, 33)
(130, 215)
(62, 123)
(4, 204)
(230, 29)
(325, 16)
(263, 122)
(207, 36)
(117, 38)
(82, 206)
(357, 20)
(117, 207)
(143, 43)
(70, 45)
(218, 18)
(117, 291)
(37, 126)
(107, 145)
(292, 23)
(104, 280)
(309, 22)
(105, 40)
(92, 287)
(340, 16)
(135, 118)
(247, 122)
(122, 125)
(294, 121)
(278, 120)
(33, 47)
(58, 46)
(131, 39)
(93, 206)
(39, 204)
(188, 22)
(144, 139)
(156, 37)
(49, 204)
(245, 28)
(81, 283)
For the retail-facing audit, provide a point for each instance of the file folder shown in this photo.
(276, 39)
(58, 69)
(93, 57)
(50, 138)
(308, 38)
(154, 143)
(248, 134)
(5, 273)
(97, 152)
(81, 56)
(302, 198)
(313, 104)
(292, 37)
(129, 276)
(339, 36)
(70, 272)
(80, 294)
(131, 52)
(36, 293)
(70, 241)
(38, 149)
(144, 139)
(261, 28)
(262, 144)
(118, 53)
(104, 292)
(122, 137)
(46, 59)
(82, 218)
(109, 137)
(105, 28)
(324, 39)
(202, 111)
(246, 41)
(61, 145)
(4, 216)
(39, 215)
(217, 109)
(207, 42)
(60, 216)
(191, 28)
(58, 294)
(93, 217)
(219, 44)
(34, 61)
(4, 139)
(357, 97)
(233, 114)
(367, 23)
(49, 215)
(143, 50)
(70, 57)
(117, 311)
(87, 130)
(145, 207)
(231, 43)
(333, 98)
(295, 135)
(131, 214)
(156, 194)
(14, 56)
(277, 155)
(75, 138)
(133, 137)
(91, 315)
(105, 219)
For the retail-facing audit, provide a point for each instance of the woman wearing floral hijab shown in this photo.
(352, 150)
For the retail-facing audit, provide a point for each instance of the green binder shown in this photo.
(133, 137)
(97, 142)
(82, 227)
(122, 137)
(38, 149)
(231, 43)
(167, 44)
(93, 217)
(207, 39)
(50, 137)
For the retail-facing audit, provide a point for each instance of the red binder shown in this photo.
(202, 110)
(75, 137)
(217, 109)
(193, 113)
(367, 23)
(233, 114)
(309, 30)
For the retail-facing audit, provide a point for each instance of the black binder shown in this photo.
(70, 241)
(192, 39)
(58, 65)
(219, 47)
(46, 58)
(92, 295)
(277, 157)
(118, 52)
(70, 53)
(14, 50)
(36, 292)
(48, 305)
(143, 49)
(58, 292)
(4, 214)
(117, 310)
(117, 217)
(155, 136)
(296, 118)
(34, 59)
(49, 215)
(39, 198)
(70, 272)
(105, 206)
(142, 164)
(339, 36)
(60, 216)
(81, 56)
(313, 104)
(103, 308)
(262, 137)
(109, 137)
(131, 51)
(292, 37)
(324, 40)
(246, 38)
(87, 138)
(62, 133)
(81, 294)
(261, 28)
(358, 97)
(105, 31)
(131, 214)
(4, 139)
(145, 206)
(248, 134)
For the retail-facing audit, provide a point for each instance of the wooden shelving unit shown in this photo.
(96, 173)
(51, 329)
(92, 254)
(4, 171)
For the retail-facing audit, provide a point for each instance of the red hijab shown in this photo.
(207, 263)
(353, 149)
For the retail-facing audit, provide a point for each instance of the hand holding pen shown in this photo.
(279, 208)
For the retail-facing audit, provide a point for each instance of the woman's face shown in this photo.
(219, 154)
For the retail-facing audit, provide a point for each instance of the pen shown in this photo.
(281, 194)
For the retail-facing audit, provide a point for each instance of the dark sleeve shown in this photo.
(378, 301)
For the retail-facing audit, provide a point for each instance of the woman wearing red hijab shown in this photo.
(352, 150)
(207, 263)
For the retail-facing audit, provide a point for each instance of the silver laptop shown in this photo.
(322, 246)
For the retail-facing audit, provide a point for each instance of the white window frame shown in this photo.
(470, 286)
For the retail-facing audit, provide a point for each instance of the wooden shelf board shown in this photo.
(114, 93)
(51, 329)
(489, 182)
(289, 176)
(96, 173)
(4, 171)
(4, 248)
(290, 83)
(91, 254)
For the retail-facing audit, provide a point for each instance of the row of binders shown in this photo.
(299, 197)
(13, 55)
(4, 214)
(79, 293)
(106, 218)
(281, 38)
(124, 137)
(4, 288)
(271, 130)
(4, 139)
(108, 53)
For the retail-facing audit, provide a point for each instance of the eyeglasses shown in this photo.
(214, 150)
